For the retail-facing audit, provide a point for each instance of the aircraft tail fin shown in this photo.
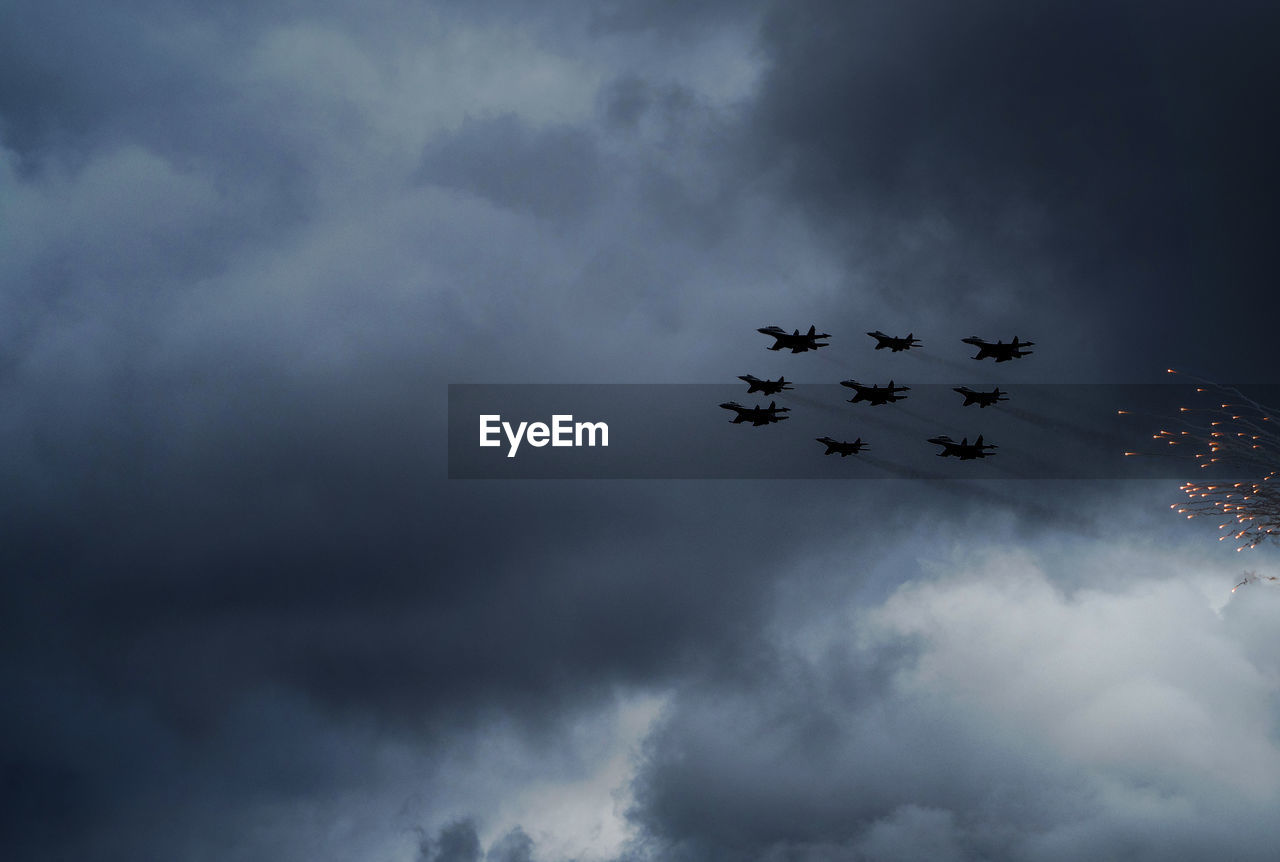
(813, 329)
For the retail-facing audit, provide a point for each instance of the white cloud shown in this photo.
(1143, 685)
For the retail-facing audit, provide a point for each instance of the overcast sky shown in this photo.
(244, 249)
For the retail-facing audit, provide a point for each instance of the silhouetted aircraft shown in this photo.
(964, 450)
(756, 415)
(893, 343)
(768, 387)
(875, 394)
(794, 341)
(844, 447)
(1000, 351)
(982, 399)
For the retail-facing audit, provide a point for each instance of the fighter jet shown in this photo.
(964, 450)
(999, 351)
(982, 399)
(844, 447)
(893, 343)
(756, 415)
(768, 387)
(875, 394)
(796, 342)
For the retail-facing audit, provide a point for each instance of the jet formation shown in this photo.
(893, 343)
(768, 387)
(874, 394)
(844, 447)
(794, 341)
(982, 399)
(756, 415)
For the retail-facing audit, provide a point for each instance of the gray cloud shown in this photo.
(459, 842)
(456, 842)
(552, 172)
(515, 846)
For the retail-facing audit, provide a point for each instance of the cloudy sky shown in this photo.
(246, 247)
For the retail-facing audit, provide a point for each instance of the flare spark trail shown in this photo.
(1238, 432)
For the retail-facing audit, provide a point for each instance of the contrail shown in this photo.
(907, 411)
(1052, 423)
(825, 407)
(922, 354)
(896, 469)
(828, 358)
(877, 417)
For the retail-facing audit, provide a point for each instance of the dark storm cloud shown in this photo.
(287, 545)
(322, 542)
(75, 79)
(1104, 159)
